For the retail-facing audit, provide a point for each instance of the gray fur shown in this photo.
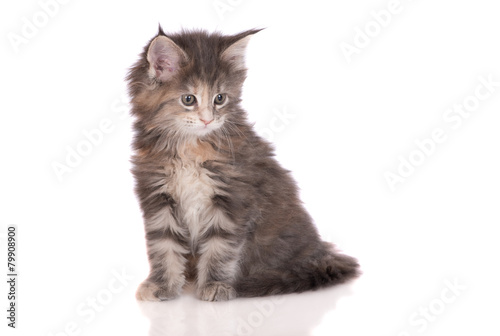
(218, 208)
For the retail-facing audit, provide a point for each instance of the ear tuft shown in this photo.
(235, 53)
(165, 58)
(160, 30)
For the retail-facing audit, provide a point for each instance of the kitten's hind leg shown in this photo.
(323, 267)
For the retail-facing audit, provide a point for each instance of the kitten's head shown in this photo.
(188, 85)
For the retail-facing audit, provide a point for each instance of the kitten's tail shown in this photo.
(332, 270)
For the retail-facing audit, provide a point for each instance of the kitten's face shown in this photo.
(193, 83)
(201, 109)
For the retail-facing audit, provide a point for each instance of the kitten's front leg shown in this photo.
(166, 250)
(219, 250)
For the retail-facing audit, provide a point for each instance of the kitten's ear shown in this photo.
(165, 58)
(235, 53)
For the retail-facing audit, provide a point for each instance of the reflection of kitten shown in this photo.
(217, 206)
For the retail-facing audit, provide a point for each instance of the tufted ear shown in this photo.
(235, 53)
(165, 58)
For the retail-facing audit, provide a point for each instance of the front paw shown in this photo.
(217, 291)
(149, 291)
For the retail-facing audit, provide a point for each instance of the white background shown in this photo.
(349, 124)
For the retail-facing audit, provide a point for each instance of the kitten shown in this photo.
(218, 208)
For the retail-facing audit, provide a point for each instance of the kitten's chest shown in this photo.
(192, 189)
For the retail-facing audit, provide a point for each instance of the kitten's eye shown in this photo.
(220, 99)
(188, 100)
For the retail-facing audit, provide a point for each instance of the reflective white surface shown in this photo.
(283, 315)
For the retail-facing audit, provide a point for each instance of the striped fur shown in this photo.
(218, 208)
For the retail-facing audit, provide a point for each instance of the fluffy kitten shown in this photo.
(218, 208)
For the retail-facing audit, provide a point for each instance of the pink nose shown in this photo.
(206, 122)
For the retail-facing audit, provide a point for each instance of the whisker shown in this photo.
(234, 127)
(227, 136)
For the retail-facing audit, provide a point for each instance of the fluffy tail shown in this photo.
(328, 271)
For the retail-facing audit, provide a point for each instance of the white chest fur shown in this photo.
(192, 189)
